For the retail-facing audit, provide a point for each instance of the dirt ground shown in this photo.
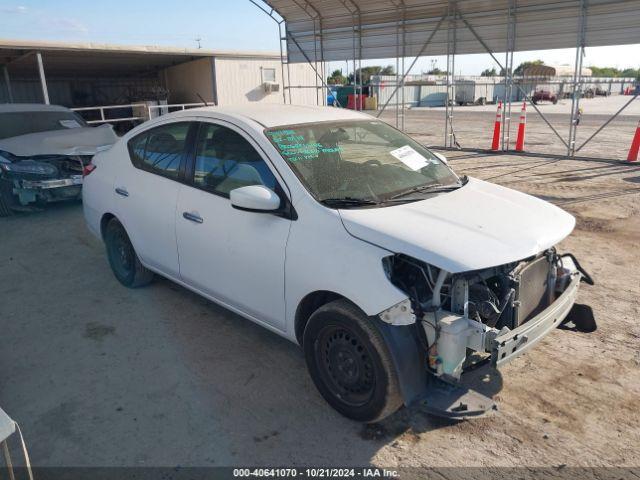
(99, 375)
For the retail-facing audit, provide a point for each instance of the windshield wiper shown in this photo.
(433, 187)
(347, 202)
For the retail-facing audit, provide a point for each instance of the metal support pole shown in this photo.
(397, 81)
(452, 39)
(404, 42)
(7, 460)
(282, 62)
(324, 84)
(7, 82)
(577, 80)
(283, 59)
(360, 98)
(354, 10)
(606, 123)
(405, 74)
(315, 16)
(355, 69)
(508, 76)
(43, 80)
(524, 94)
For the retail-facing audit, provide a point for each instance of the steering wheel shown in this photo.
(373, 161)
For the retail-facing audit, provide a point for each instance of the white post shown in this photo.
(7, 82)
(43, 80)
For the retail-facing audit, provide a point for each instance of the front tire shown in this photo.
(350, 363)
(123, 259)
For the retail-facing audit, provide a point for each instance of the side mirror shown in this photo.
(441, 157)
(254, 198)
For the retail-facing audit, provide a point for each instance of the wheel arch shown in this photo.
(104, 221)
(309, 304)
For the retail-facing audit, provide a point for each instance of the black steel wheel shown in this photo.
(350, 362)
(122, 257)
(348, 366)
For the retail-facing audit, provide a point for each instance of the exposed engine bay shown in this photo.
(486, 311)
(42, 178)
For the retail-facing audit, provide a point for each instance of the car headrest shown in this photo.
(163, 142)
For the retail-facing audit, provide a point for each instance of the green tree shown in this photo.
(489, 72)
(631, 72)
(615, 72)
(368, 72)
(519, 71)
(336, 78)
(436, 71)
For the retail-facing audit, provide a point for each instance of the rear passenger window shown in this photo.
(160, 150)
(226, 160)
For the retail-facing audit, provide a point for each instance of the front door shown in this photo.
(235, 256)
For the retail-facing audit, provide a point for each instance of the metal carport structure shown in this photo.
(318, 31)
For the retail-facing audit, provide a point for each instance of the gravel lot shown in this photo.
(99, 375)
(474, 126)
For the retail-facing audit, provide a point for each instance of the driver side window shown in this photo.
(225, 160)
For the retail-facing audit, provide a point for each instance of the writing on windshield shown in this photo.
(295, 148)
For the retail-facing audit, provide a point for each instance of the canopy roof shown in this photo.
(96, 59)
(332, 30)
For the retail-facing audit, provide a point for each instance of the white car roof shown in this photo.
(30, 107)
(275, 115)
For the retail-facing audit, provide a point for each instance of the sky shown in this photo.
(220, 25)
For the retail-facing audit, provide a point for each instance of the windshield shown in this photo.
(13, 124)
(358, 160)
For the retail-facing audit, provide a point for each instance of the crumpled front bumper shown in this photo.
(55, 183)
(512, 344)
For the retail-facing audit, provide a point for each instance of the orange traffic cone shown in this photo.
(635, 146)
(521, 127)
(496, 128)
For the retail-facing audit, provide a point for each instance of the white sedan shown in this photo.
(341, 233)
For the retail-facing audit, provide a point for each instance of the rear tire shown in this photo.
(350, 363)
(6, 198)
(123, 259)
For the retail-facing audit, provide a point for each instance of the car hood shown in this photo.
(72, 141)
(477, 226)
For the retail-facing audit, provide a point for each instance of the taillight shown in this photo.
(88, 168)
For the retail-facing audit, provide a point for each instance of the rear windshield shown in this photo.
(13, 124)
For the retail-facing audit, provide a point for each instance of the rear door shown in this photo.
(234, 256)
(146, 192)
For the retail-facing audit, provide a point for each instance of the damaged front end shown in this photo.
(466, 319)
(41, 178)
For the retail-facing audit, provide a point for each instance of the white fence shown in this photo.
(139, 111)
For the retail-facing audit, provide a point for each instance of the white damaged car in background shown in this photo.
(44, 151)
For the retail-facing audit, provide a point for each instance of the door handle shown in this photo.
(122, 192)
(193, 217)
